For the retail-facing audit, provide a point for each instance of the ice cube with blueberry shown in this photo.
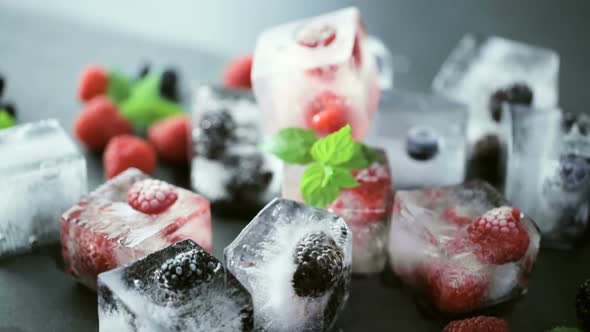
(178, 288)
(424, 136)
(127, 218)
(316, 73)
(227, 165)
(549, 172)
(366, 210)
(461, 248)
(42, 173)
(295, 260)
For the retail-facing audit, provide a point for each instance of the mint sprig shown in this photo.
(330, 161)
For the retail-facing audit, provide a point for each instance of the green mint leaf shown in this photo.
(343, 178)
(293, 145)
(316, 187)
(359, 159)
(119, 86)
(334, 149)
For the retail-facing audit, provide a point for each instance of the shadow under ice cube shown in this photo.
(295, 261)
(180, 288)
(41, 174)
(107, 229)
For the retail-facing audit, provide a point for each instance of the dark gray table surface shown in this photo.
(42, 57)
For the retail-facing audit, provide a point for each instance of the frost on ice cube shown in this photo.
(316, 73)
(366, 210)
(486, 74)
(180, 288)
(549, 172)
(463, 247)
(227, 166)
(295, 261)
(41, 174)
(126, 218)
(424, 136)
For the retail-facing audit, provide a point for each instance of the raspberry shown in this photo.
(327, 113)
(237, 73)
(171, 138)
(314, 35)
(93, 82)
(127, 151)
(455, 289)
(583, 305)
(500, 236)
(151, 196)
(457, 246)
(95, 253)
(477, 324)
(99, 122)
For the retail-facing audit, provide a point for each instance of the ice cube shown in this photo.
(227, 165)
(126, 218)
(41, 174)
(316, 73)
(366, 210)
(295, 261)
(462, 247)
(549, 172)
(179, 288)
(424, 136)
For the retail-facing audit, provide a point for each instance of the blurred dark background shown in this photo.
(45, 44)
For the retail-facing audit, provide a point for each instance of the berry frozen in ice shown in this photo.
(93, 82)
(477, 324)
(500, 236)
(422, 143)
(187, 270)
(249, 177)
(583, 304)
(169, 85)
(170, 137)
(574, 171)
(455, 218)
(487, 161)
(237, 73)
(314, 35)
(319, 265)
(95, 255)
(327, 113)
(126, 151)
(151, 196)
(518, 93)
(214, 130)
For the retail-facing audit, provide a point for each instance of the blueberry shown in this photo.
(421, 143)
(574, 172)
(249, 175)
(169, 85)
(518, 93)
(215, 130)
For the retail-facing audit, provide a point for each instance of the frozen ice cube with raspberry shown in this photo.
(462, 247)
(366, 210)
(316, 73)
(126, 218)
(295, 260)
(42, 173)
(227, 166)
(179, 288)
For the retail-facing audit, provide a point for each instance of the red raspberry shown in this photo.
(99, 122)
(171, 138)
(455, 289)
(95, 253)
(93, 82)
(458, 245)
(327, 113)
(313, 35)
(151, 196)
(451, 215)
(237, 73)
(500, 236)
(127, 151)
(477, 324)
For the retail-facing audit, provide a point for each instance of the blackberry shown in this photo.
(583, 305)
(9, 108)
(319, 265)
(215, 129)
(249, 176)
(574, 171)
(487, 161)
(518, 93)
(144, 70)
(186, 270)
(169, 85)
(2, 84)
(421, 143)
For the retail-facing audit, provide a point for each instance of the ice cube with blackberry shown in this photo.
(179, 288)
(227, 165)
(549, 172)
(295, 260)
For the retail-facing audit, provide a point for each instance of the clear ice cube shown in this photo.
(41, 174)
(549, 172)
(295, 261)
(227, 165)
(104, 231)
(366, 210)
(424, 136)
(316, 73)
(462, 248)
(179, 288)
